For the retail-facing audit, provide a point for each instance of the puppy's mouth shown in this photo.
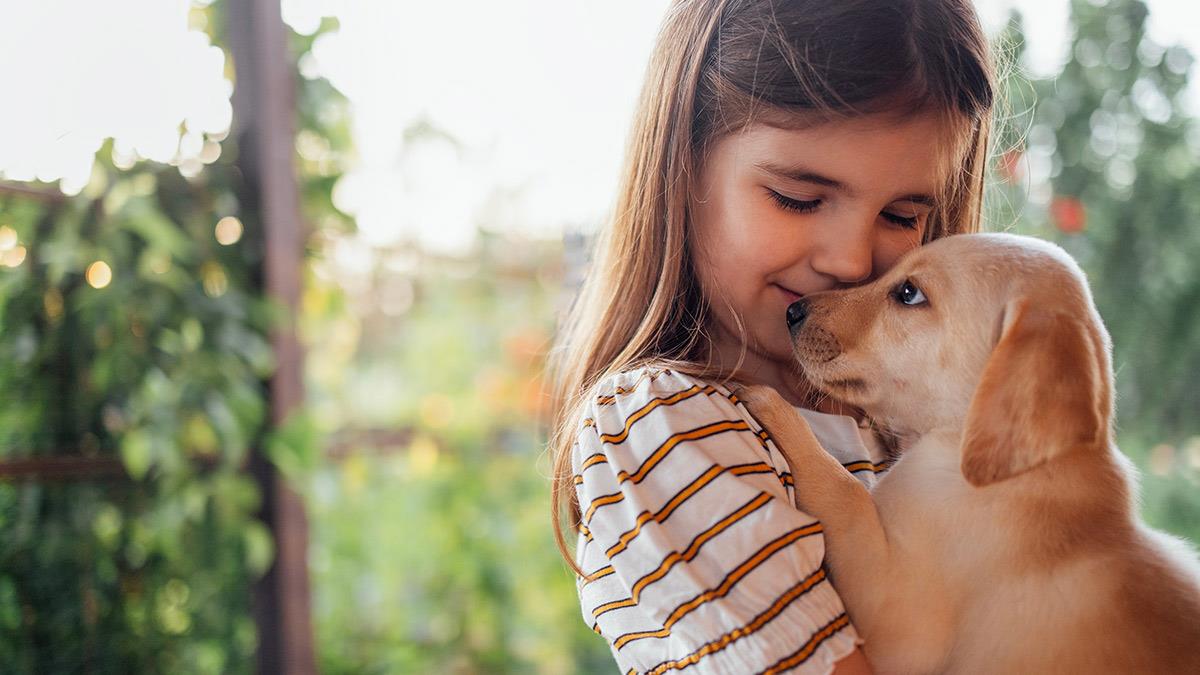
(820, 354)
(815, 345)
(844, 385)
(849, 389)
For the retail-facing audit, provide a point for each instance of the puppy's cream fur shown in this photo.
(1005, 539)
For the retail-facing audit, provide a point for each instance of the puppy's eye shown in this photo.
(907, 293)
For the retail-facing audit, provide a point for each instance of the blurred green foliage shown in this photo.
(1116, 155)
(434, 552)
(158, 363)
(133, 340)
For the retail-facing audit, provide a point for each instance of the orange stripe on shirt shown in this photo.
(601, 501)
(661, 453)
(866, 465)
(599, 574)
(668, 445)
(759, 621)
(680, 497)
(719, 592)
(649, 407)
(810, 647)
(692, 550)
(597, 458)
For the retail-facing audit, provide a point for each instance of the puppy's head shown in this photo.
(995, 335)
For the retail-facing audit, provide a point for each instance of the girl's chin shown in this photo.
(779, 351)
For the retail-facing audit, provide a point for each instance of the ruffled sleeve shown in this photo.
(694, 551)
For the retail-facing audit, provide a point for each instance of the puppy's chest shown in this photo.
(931, 513)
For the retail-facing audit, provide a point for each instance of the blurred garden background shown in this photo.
(451, 165)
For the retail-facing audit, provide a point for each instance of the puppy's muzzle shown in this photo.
(811, 343)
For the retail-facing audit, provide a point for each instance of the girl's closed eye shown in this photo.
(789, 204)
(907, 222)
(809, 205)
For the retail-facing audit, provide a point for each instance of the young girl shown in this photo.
(781, 147)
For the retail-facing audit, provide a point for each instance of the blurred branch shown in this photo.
(379, 441)
(32, 191)
(62, 468)
(343, 444)
(78, 468)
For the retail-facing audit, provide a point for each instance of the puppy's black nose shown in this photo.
(797, 312)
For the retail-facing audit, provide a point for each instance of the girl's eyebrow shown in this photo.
(800, 174)
(803, 175)
(923, 200)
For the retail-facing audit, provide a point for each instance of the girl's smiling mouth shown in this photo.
(790, 295)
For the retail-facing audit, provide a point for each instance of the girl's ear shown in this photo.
(1041, 395)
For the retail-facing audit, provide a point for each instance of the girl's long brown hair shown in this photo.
(720, 65)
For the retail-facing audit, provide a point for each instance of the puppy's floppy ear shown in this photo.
(1041, 395)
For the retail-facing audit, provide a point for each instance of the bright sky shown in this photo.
(539, 94)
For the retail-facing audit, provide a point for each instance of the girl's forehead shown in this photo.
(860, 154)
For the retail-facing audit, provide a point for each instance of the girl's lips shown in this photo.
(790, 295)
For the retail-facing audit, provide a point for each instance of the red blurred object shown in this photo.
(1068, 214)
(1010, 166)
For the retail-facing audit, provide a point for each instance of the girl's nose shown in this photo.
(847, 253)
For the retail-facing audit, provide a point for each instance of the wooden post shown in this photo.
(264, 128)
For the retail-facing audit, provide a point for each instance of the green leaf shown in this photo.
(260, 547)
(136, 453)
(293, 446)
(141, 216)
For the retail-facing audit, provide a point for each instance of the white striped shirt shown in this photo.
(695, 554)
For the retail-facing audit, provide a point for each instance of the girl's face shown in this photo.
(781, 213)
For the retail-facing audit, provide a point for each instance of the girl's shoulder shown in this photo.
(646, 404)
(642, 417)
(650, 372)
(652, 399)
(655, 382)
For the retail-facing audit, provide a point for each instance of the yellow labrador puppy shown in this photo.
(1005, 539)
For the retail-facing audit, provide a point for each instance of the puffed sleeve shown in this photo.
(694, 553)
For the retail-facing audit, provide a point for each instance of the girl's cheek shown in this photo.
(898, 248)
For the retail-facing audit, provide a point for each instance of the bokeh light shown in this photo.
(13, 257)
(99, 274)
(213, 277)
(228, 230)
(8, 238)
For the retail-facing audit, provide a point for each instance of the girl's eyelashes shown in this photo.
(907, 223)
(807, 206)
(797, 205)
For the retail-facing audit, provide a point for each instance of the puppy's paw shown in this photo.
(758, 394)
(766, 405)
